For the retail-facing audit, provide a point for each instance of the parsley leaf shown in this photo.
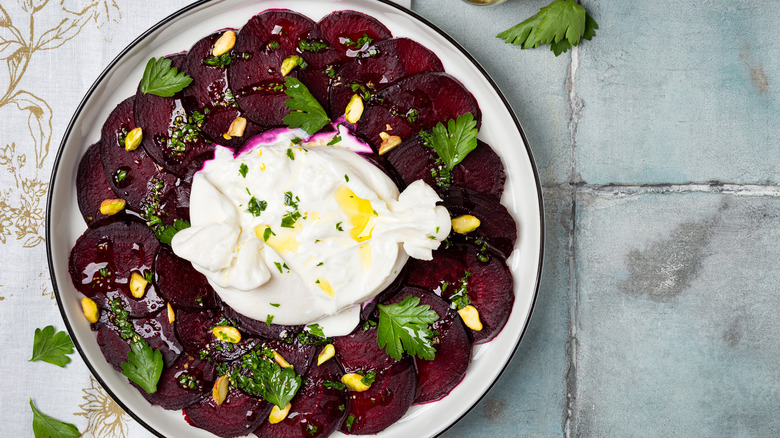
(45, 426)
(162, 79)
(243, 169)
(306, 112)
(279, 385)
(256, 207)
(405, 326)
(51, 347)
(453, 142)
(144, 366)
(166, 234)
(316, 330)
(561, 24)
(267, 233)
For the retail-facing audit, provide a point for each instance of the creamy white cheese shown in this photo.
(304, 233)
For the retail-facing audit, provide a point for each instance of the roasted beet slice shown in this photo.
(415, 103)
(172, 135)
(181, 284)
(384, 403)
(260, 328)
(209, 94)
(156, 331)
(481, 170)
(238, 415)
(296, 354)
(436, 378)
(105, 257)
(396, 59)
(347, 34)
(183, 383)
(193, 328)
(254, 76)
(489, 284)
(359, 351)
(92, 186)
(133, 175)
(316, 410)
(383, 165)
(176, 205)
(497, 228)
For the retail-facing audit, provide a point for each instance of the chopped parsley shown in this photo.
(243, 169)
(290, 154)
(269, 320)
(275, 304)
(350, 422)
(256, 207)
(316, 330)
(273, 45)
(335, 140)
(312, 46)
(268, 233)
(346, 177)
(362, 41)
(459, 298)
(333, 385)
(338, 226)
(120, 176)
(330, 71)
(221, 61)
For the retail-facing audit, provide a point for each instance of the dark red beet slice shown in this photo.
(383, 165)
(105, 257)
(359, 351)
(171, 135)
(238, 415)
(209, 94)
(384, 403)
(181, 284)
(497, 227)
(436, 378)
(341, 30)
(150, 303)
(389, 292)
(260, 328)
(133, 175)
(156, 331)
(296, 354)
(481, 170)
(397, 58)
(183, 383)
(193, 328)
(489, 286)
(316, 410)
(415, 103)
(255, 79)
(176, 205)
(92, 186)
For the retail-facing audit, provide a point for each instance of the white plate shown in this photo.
(179, 32)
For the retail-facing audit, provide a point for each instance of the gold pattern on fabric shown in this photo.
(104, 416)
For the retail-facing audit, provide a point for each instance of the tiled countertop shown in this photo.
(656, 143)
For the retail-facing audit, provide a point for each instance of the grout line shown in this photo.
(753, 189)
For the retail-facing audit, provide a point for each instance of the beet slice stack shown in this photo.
(489, 285)
(209, 94)
(171, 134)
(396, 59)
(436, 378)
(316, 410)
(481, 170)
(341, 31)
(391, 394)
(238, 415)
(415, 103)
(133, 175)
(92, 186)
(257, 83)
(104, 259)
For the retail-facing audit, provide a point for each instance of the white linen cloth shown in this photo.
(53, 51)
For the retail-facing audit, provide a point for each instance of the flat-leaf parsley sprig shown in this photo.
(405, 327)
(561, 24)
(162, 79)
(51, 347)
(306, 113)
(452, 143)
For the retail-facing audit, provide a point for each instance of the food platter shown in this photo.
(522, 195)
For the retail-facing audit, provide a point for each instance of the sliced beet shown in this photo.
(481, 170)
(92, 186)
(390, 291)
(156, 331)
(255, 78)
(149, 304)
(193, 328)
(171, 133)
(238, 415)
(415, 103)
(384, 403)
(497, 228)
(359, 351)
(104, 258)
(436, 378)
(383, 165)
(260, 328)
(133, 175)
(342, 32)
(316, 410)
(176, 205)
(183, 383)
(298, 355)
(397, 58)
(489, 285)
(181, 284)
(209, 94)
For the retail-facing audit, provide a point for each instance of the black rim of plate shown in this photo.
(200, 3)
